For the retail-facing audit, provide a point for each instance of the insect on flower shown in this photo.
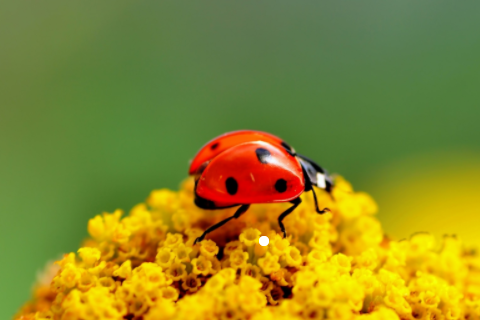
(244, 167)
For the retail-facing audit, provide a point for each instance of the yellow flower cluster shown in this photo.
(338, 265)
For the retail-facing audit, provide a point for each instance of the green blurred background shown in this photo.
(101, 102)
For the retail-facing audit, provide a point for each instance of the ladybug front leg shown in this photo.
(238, 213)
(295, 202)
(316, 204)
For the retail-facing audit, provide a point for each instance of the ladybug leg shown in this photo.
(309, 175)
(238, 213)
(316, 203)
(295, 202)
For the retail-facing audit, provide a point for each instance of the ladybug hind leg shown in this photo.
(241, 210)
(295, 202)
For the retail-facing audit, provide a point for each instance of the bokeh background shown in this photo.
(101, 102)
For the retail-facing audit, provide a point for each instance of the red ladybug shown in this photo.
(244, 167)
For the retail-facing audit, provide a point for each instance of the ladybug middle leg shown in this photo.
(241, 210)
(295, 202)
(316, 203)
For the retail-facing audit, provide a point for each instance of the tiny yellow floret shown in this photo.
(89, 255)
(250, 236)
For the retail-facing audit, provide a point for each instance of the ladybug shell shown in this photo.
(252, 172)
(226, 141)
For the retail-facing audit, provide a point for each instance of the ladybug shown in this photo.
(244, 167)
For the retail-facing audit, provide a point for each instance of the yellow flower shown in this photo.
(124, 271)
(102, 227)
(367, 279)
(165, 257)
(269, 263)
(192, 234)
(147, 277)
(230, 313)
(250, 236)
(266, 285)
(322, 295)
(293, 257)
(163, 199)
(173, 240)
(162, 310)
(68, 258)
(340, 311)
(216, 265)
(69, 276)
(201, 266)
(108, 283)
(182, 253)
(228, 274)
(121, 234)
(312, 312)
(333, 266)
(96, 303)
(398, 303)
(177, 271)
(87, 280)
(320, 240)
(208, 248)
(232, 246)
(170, 293)
(275, 296)
(191, 283)
(181, 220)
(238, 258)
(283, 277)
(251, 299)
(215, 284)
(89, 255)
(251, 270)
(368, 259)
(316, 257)
(342, 262)
(278, 245)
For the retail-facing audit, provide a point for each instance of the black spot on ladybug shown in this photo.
(263, 155)
(232, 185)
(281, 185)
(214, 146)
(287, 147)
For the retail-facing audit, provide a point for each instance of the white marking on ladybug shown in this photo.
(321, 182)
